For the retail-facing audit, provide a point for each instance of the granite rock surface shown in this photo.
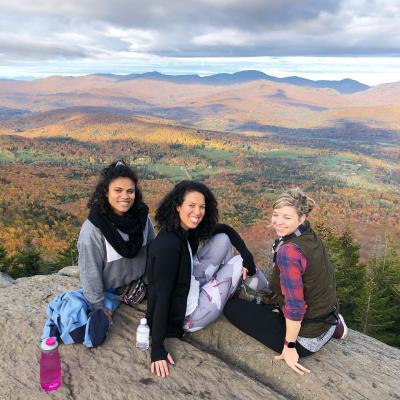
(114, 371)
(218, 362)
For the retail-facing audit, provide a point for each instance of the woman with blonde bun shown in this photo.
(306, 315)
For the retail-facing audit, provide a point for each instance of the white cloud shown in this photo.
(223, 37)
(138, 39)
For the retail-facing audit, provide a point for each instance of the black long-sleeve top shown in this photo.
(169, 274)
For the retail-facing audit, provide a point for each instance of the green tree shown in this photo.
(68, 256)
(3, 259)
(380, 316)
(350, 274)
(27, 262)
(350, 278)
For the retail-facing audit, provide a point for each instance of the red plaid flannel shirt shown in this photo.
(292, 263)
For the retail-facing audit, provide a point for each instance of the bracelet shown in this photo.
(290, 345)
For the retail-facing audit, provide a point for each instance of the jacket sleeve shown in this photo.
(150, 231)
(90, 263)
(240, 246)
(165, 266)
(292, 264)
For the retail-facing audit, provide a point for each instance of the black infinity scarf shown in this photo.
(132, 223)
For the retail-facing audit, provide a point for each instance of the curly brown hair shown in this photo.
(167, 216)
(118, 169)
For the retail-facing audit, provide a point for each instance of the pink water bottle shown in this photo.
(50, 365)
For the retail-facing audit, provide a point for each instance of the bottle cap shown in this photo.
(49, 343)
(143, 321)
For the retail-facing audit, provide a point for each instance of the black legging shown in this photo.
(260, 322)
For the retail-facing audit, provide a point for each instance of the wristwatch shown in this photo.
(290, 345)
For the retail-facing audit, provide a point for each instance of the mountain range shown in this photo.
(342, 86)
(217, 102)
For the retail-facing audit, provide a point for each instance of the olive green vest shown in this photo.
(318, 281)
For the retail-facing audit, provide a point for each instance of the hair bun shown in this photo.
(295, 198)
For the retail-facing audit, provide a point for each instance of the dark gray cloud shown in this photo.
(246, 15)
(201, 28)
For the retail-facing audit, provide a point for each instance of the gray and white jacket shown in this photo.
(101, 267)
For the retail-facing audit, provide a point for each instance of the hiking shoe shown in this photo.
(244, 292)
(341, 328)
(247, 293)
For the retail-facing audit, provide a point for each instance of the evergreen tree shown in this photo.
(3, 259)
(350, 278)
(350, 274)
(68, 256)
(27, 262)
(380, 316)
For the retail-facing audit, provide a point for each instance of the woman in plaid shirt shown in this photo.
(305, 316)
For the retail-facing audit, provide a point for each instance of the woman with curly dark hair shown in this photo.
(112, 248)
(190, 268)
(112, 242)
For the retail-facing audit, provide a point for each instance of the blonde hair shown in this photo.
(297, 199)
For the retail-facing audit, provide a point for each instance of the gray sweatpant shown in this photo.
(219, 275)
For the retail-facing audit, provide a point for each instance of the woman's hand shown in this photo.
(245, 273)
(291, 358)
(160, 368)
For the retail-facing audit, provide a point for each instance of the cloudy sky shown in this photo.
(316, 39)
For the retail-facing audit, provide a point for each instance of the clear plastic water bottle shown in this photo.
(143, 335)
(50, 365)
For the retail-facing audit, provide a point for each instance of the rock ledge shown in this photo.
(218, 362)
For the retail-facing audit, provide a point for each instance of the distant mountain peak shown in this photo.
(345, 86)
